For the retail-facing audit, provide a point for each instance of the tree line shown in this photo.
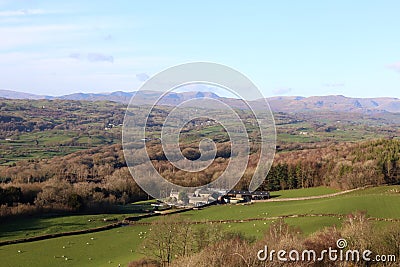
(340, 165)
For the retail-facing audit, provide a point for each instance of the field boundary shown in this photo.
(332, 215)
(49, 236)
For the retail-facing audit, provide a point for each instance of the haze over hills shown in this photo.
(19, 95)
(287, 104)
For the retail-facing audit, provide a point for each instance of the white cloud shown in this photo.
(22, 12)
(92, 57)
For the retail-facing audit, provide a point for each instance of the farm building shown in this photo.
(207, 196)
(235, 196)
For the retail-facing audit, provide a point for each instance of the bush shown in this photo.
(191, 153)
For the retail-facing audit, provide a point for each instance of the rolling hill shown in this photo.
(287, 104)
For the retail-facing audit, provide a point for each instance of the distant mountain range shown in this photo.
(287, 104)
(335, 103)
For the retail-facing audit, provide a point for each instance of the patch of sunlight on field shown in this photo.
(304, 192)
(108, 248)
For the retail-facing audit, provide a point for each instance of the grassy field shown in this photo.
(23, 228)
(17, 228)
(378, 202)
(113, 247)
(108, 248)
(121, 245)
(303, 192)
(49, 144)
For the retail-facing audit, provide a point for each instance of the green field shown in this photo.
(47, 128)
(108, 248)
(22, 227)
(378, 202)
(113, 247)
(304, 192)
(49, 144)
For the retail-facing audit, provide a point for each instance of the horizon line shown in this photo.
(134, 91)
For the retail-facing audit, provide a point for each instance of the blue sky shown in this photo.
(285, 47)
